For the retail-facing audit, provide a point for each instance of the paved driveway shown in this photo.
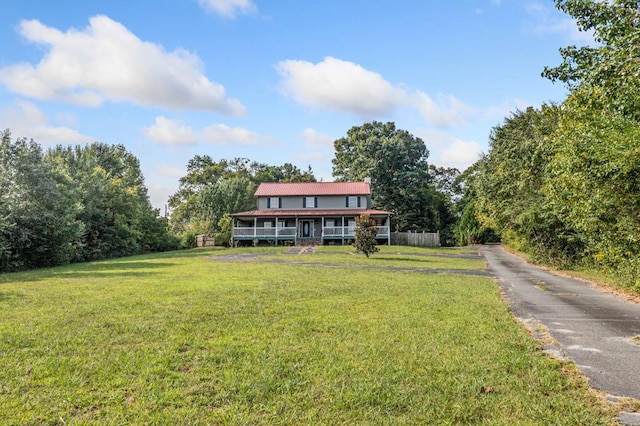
(595, 329)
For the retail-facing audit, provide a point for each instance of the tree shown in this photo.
(38, 225)
(613, 64)
(115, 210)
(365, 233)
(396, 162)
(509, 188)
(228, 195)
(594, 183)
(225, 224)
(469, 229)
(285, 173)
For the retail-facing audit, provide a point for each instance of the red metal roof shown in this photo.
(272, 189)
(310, 212)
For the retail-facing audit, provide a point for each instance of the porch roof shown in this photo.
(311, 213)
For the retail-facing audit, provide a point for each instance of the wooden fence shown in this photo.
(418, 239)
(205, 241)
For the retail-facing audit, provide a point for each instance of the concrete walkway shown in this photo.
(597, 330)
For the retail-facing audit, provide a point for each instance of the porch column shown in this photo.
(388, 230)
(233, 231)
(342, 230)
(295, 239)
(276, 231)
(255, 227)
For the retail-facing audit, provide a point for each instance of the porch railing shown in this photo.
(350, 231)
(258, 232)
(290, 232)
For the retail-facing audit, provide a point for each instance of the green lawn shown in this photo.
(385, 249)
(179, 338)
(384, 260)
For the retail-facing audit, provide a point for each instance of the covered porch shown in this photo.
(291, 228)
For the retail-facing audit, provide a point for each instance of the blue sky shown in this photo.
(273, 81)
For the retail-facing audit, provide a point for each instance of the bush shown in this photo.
(189, 240)
(366, 232)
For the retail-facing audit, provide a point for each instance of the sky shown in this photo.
(272, 81)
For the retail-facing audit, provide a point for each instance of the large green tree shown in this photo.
(38, 215)
(396, 162)
(117, 216)
(509, 189)
(594, 183)
(612, 64)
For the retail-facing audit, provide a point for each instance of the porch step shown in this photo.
(305, 242)
(302, 250)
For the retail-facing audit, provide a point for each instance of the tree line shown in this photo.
(82, 203)
(73, 204)
(562, 181)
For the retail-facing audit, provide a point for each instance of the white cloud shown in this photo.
(447, 112)
(228, 8)
(461, 153)
(27, 120)
(171, 132)
(316, 140)
(106, 62)
(338, 85)
(551, 21)
(448, 151)
(334, 84)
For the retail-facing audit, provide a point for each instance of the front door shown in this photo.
(307, 228)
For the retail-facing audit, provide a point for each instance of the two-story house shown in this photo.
(309, 213)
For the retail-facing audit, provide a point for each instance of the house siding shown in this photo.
(324, 202)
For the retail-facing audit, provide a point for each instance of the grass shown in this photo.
(179, 339)
(385, 249)
(386, 260)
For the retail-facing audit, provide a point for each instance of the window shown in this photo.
(310, 202)
(274, 203)
(282, 224)
(331, 223)
(352, 201)
(267, 224)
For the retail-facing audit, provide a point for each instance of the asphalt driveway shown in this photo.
(597, 330)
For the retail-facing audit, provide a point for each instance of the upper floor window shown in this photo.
(352, 201)
(310, 202)
(274, 203)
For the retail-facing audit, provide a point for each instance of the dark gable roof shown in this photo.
(270, 189)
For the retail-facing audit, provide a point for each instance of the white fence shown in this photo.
(418, 239)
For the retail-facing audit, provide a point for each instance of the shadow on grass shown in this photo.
(130, 263)
(187, 253)
(99, 268)
(415, 259)
(9, 295)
